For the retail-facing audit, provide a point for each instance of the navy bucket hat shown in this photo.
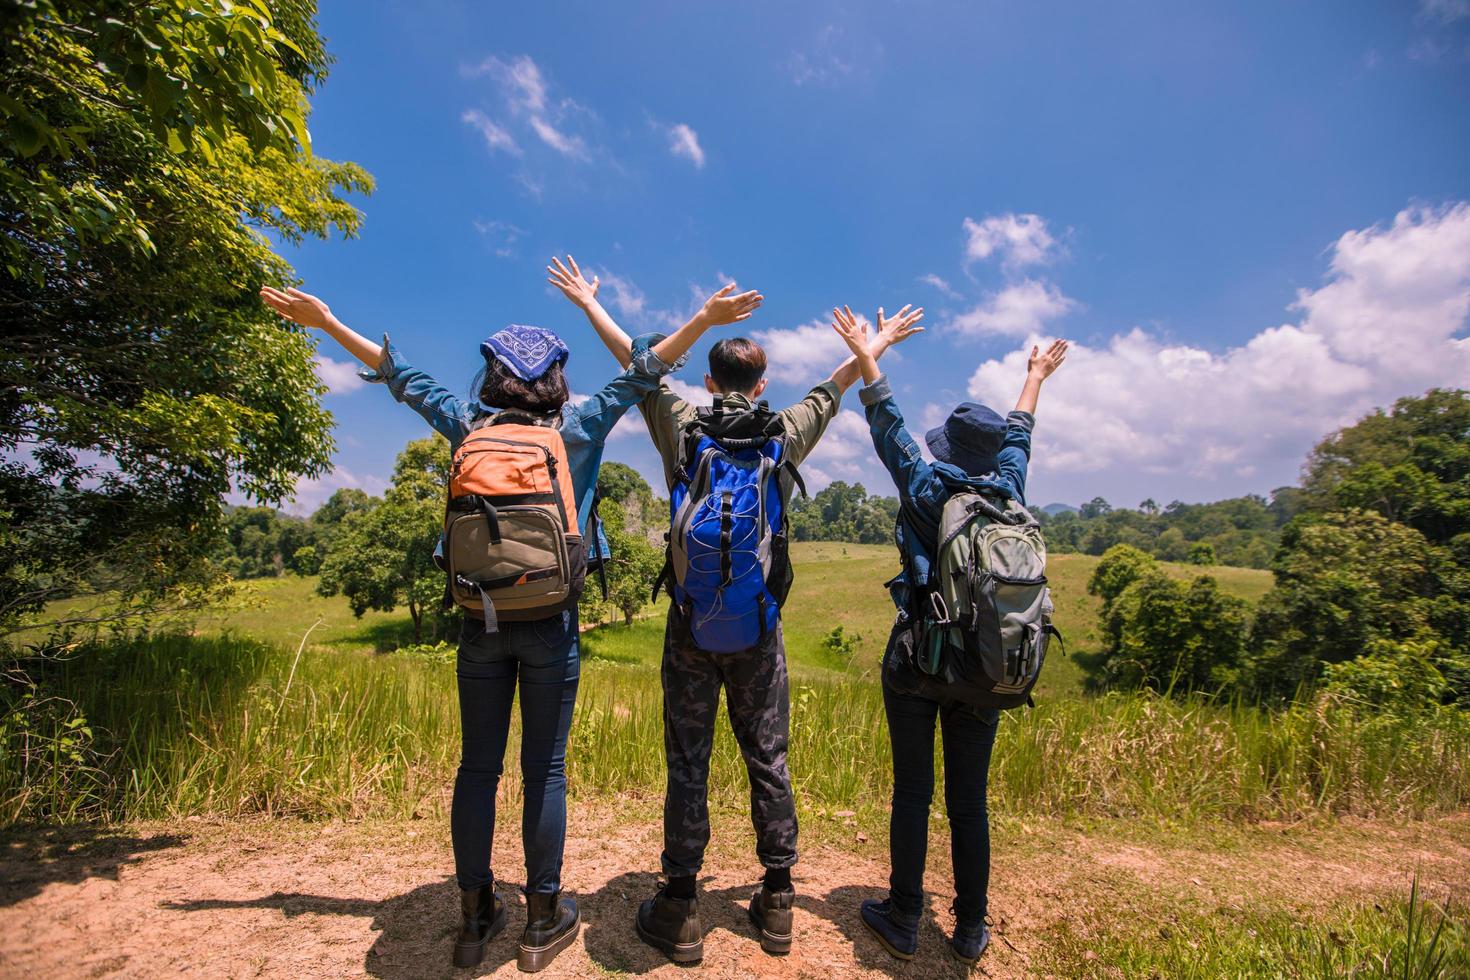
(970, 438)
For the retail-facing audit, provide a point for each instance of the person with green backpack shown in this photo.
(974, 619)
(520, 522)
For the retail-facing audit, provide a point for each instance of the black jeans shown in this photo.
(542, 656)
(913, 704)
(758, 699)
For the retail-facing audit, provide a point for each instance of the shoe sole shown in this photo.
(893, 950)
(968, 960)
(470, 954)
(534, 959)
(685, 954)
(776, 945)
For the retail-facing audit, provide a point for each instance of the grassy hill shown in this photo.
(836, 585)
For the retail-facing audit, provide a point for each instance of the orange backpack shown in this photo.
(511, 544)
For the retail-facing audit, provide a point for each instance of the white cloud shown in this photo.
(1445, 11)
(845, 452)
(804, 353)
(496, 138)
(340, 377)
(684, 142)
(1388, 321)
(834, 57)
(1018, 240)
(572, 146)
(312, 492)
(939, 283)
(621, 293)
(524, 90)
(502, 234)
(1018, 310)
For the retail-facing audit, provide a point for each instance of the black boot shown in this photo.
(484, 917)
(770, 913)
(552, 923)
(671, 925)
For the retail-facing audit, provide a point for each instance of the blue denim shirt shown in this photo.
(584, 426)
(924, 487)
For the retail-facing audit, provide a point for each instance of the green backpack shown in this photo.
(988, 618)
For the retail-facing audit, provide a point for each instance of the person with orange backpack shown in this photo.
(519, 521)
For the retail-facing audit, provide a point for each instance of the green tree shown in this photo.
(1410, 464)
(382, 557)
(150, 152)
(1172, 636)
(1201, 553)
(631, 570)
(1345, 581)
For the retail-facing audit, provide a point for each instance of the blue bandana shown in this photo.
(529, 352)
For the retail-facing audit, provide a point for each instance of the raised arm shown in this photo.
(724, 307)
(864, 359)
(448, 414)
(583, 295)
(307, 310)
(912, 475)
(1039, 367)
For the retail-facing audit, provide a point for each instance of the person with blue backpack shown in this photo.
(521, 496)
(970, 635)
(731, 471)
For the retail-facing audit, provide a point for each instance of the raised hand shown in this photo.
(298, 307)
(897, 328)
(853, 331)
(723, 307)
(573, 285)
(1041, 363)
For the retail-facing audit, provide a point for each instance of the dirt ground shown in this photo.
(289, 899)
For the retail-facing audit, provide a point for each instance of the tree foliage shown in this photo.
(148, 151)
(632, 520)
(843, 512)
(1241, 531)
(382, 556)
(1170, 635)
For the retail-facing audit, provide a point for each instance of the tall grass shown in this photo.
(188, 725)
(1414, 939)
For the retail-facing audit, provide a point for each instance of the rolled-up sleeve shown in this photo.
(599, 413)
(911, 472)
(1015, 453)
(808, 419)
(446, 413)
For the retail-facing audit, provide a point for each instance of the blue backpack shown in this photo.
(727, 566)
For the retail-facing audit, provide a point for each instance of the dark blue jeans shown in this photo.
(542, 657)
(913, 704)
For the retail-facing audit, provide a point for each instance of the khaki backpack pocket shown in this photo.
(527, 574)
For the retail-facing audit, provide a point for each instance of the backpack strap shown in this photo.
(517, 416)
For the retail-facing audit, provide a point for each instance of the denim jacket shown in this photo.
(585, 425)
(924, 487)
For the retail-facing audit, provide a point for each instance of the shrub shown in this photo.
(1174, 637)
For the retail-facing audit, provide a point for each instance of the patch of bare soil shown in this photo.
(288, 899)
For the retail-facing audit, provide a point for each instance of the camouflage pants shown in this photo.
(758, 698)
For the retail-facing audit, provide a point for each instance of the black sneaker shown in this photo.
(770, 913)
(671, 926)
(484, 918)
(552, 922)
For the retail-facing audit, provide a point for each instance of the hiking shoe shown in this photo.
(552, 922)
(770, 913)
(671, 926)
(969, 941)
(484, 918)
(898, 933)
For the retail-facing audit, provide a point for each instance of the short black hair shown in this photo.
(498, 387)
(737, 364)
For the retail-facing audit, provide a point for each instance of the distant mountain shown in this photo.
(1052, 510)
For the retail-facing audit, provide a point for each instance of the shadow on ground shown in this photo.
(32, 858)
(416, 930)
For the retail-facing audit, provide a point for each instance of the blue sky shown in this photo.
(1250, 218)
